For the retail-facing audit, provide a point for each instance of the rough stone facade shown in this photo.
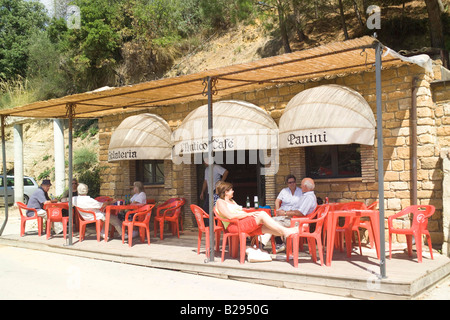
(433, 128)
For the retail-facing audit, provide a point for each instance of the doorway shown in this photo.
(244, 170)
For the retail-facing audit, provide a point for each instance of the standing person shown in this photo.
(84, 201)
(219, 174)
(38, 199)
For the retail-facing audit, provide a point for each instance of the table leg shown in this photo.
(376, 231)
(331, 231)
(107, 215)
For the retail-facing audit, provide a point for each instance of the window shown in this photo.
(150, 171)
(338, 161)
(27, 182)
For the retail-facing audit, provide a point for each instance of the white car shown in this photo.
(29, 186)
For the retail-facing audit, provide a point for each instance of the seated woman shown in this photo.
(252, 223)
(139, 194)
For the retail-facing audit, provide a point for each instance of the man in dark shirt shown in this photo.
(37, 201)
(39, 198)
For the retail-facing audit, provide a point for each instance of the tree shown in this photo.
(436, 29)
(19, 19)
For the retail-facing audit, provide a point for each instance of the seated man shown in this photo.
(84, 201)
(38, 199)
(306, 205)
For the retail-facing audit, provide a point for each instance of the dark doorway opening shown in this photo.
(244, 169)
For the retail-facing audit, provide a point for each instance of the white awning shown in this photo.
(237, 125)
(142, 137)
(327, 115)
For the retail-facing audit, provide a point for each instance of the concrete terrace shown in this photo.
(355, 277)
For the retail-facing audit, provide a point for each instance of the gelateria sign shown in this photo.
(122, 155)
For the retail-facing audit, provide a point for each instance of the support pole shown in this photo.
(378, 52)
(210, 169)
(58, 140)
(5, 189)
(70, 111)
(18, 163)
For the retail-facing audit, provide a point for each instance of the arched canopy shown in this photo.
(141, 137)
(327, 115)
(237, 125)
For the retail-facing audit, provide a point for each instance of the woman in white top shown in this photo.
(139, 194)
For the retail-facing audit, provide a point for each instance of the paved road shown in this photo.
(32, 274)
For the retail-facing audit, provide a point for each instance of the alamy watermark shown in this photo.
(374, 18)
(63, 9)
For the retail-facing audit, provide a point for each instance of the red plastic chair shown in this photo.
(241, 237)
(141, 219)
(83, 222)
(54, 214)
(350, 222)
(200, 214)
(227, 237)
(366, 225)
(292, 242)
(24, 218)
(103, 199)
(421, 213)
(168, 213)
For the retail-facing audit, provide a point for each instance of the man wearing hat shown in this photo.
(37, 201)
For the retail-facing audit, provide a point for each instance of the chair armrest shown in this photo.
(131, 212)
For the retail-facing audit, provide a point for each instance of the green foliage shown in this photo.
(225, 13)
(19, 19)
(87, 169)
(84, 159)
(44, 175)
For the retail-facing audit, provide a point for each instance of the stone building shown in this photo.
(401, 84)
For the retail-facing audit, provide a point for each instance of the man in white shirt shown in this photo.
(84, 201)
(301, 206)
(219, 174)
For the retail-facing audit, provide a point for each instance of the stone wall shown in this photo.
(441, 98)
(396, 96)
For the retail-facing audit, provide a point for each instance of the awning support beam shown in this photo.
(5, 184)
(378, 52)
(70, 113)
(210, 83)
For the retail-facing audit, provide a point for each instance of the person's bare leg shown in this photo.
(273, 227)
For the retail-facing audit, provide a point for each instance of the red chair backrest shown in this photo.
(148, 209)
(54, 212)
(321, 214)
(421, 213)
(85, 212)
(103, 199)
(199, 214)
(22, 206)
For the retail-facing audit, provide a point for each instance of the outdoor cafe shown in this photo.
(341, 114)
